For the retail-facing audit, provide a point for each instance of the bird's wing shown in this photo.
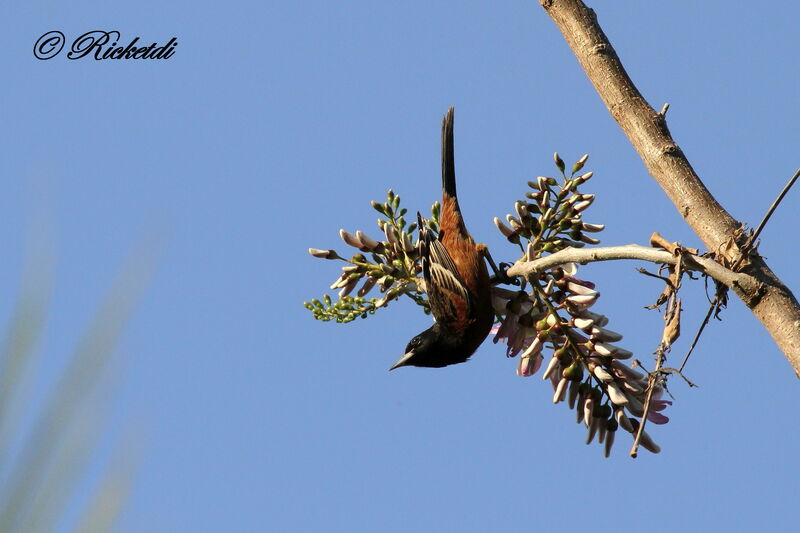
(450, 300)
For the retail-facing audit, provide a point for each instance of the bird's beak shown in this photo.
(403, 361)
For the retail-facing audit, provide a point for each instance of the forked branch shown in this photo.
(770, 300)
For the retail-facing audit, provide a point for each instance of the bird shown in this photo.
(456, 279)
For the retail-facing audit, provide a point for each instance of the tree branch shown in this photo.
(771, 301)
(739, 282)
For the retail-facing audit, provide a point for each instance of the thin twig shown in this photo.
(774, 206)
(703, 325)
(651, 385)
(670, 370)
(717, 298)
(662, 278)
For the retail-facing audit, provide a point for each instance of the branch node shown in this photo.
(670, 149)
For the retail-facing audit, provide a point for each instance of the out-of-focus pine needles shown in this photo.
(44, 463)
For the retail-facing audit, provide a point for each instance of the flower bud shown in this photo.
(593, 425)
(521, 209)
(573, 372)
(580, 288)
(602, 374)
(588, 405)
(514, 222)
(623, 421)
(559, 162)
(391, 234)
(609, 441)
(615, 394)
(545, 198)
(408, 246)
(542, 183)
(634, 405)
(324, 254)
(367, 242)
(368, 284)
(507, 232)
(349, 239)
(529, 364)
(648, 444)
(348, 288)
(561, 390)
(341, 281)
(552, 367)
(378, 207)
(579, 164)
(635, 387)
(579, 402)
(592, 228)
(583, 300)
(601, 430)
(572, 394)
(584, 324)
(616, 352)
(628, 372)
(602, 334)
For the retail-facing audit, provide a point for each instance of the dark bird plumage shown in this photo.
(456, 280)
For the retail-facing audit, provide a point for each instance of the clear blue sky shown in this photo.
(274, 125)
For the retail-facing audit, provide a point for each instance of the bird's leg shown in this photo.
(500, 275)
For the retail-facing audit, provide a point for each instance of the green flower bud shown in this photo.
(559, 162)
(378, 207)
(573, 372)
(579, 164)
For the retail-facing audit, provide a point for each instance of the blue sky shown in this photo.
(274, 125)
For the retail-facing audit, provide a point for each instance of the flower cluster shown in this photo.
(550, 312)
(392, 266)
(586, 367)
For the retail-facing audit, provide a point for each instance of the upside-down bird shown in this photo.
(456, 279)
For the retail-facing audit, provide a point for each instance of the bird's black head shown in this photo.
(432, 348)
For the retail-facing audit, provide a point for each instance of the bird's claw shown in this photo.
(501, 276)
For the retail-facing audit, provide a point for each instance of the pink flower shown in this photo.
(655, 406)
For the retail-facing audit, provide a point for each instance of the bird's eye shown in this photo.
(416, 341)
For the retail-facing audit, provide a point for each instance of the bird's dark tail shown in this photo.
(448, 156)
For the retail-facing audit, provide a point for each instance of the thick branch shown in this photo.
(739, 282)
(772, 302)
